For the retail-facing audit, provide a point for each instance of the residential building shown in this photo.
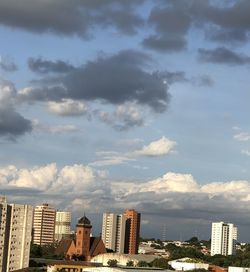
(15, 235)
(62, 225)
(44, 224)
(132, 234)
(113, 231)
(223, 238)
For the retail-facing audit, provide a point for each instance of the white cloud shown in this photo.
(71, 178)
(124, 117)
(160, 147)
(7, 93)
(38, 177)
(112, 160)
(68, 107)
(130, 142)
(242, 137)
(245, 152)
(173, 195)
(171, 182)
(53, 129)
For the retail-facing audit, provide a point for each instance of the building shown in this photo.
(83, 247)
(113, 231)
(15, 235)
(62, 225)
(123, 259)
(44, 225)
(238, 269)
(185, 264)
(87, 267)
(132, 234)
(223, 238)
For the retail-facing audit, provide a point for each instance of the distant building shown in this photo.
(15, 235)
(123, 259)
(62, 225)
(238, 269)
(83, 247)
(113, 231)
(223, 238)
(132, 235)
(185, 264)
(44, 224)
(87, 267)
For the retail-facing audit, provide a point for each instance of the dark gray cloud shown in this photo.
(65, 17)
(165, 43)
(181, 77)
(115, 79)
(172, 20)
(223, 55)
(235, 16)
(7, 65)
(12, 124)
(42, 66)
(233, 36)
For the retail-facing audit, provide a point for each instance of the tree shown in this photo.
(112, 262)
(36, 251)
(142, 264)
(130, 263)
(161, 263)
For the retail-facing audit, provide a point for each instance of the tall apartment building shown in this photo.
(132, 235)
(44, 224)
(62, 225)
(223, 238)
(113, 231)
(15, 235)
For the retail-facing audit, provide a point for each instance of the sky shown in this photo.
(115, 104)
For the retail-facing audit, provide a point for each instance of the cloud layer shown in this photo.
(64, 17)
(173, 195)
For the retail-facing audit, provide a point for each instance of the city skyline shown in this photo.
(139, 104)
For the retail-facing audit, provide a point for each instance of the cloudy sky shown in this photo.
(107, 105)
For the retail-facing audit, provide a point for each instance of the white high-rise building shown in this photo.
(15, 235)
(62, 227)
(223, 238)
(44, 224)
(113, 231)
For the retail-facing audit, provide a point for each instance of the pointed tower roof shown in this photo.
(84, 222)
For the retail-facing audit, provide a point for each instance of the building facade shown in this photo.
(223, 238)
(44, 224)
(62, 225)
(15, 235)
(132, 233)
(83, 246)
(113, 231)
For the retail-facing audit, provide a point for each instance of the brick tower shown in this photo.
(83, 230)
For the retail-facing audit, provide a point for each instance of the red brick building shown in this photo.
(83, 246)
(132, 235)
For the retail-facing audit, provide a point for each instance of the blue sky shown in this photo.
(107, 105)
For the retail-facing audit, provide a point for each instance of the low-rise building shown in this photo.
(185, 264)
(238, 269)
(85, 267)
(122, 259)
